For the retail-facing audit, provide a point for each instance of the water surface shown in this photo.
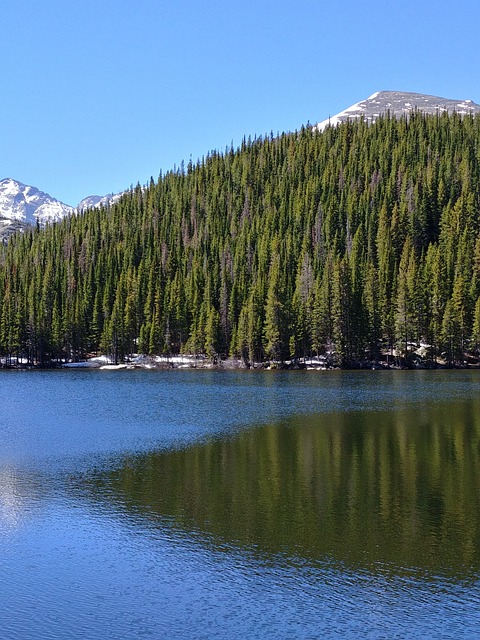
(239, 504)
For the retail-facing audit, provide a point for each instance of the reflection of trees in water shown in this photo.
(394, 487)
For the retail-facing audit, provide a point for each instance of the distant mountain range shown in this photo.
(22, 205)
(93, 202)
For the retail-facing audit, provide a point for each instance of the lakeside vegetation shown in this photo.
(353, 243)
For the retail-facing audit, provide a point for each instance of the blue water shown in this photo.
(79, 562)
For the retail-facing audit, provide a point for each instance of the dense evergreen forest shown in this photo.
(356, 242)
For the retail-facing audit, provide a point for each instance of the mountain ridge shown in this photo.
(398, 104)
(22, 205)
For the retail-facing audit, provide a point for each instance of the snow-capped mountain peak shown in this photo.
(94, 202)
(23, 203)
(398, 104)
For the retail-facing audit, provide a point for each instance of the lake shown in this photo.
(209, 504)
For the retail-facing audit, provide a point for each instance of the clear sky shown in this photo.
(96, 95)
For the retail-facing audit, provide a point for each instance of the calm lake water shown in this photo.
(228, 505)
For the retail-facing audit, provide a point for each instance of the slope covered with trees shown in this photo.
(350, 242)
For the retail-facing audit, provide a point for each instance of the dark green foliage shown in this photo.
(350, 243)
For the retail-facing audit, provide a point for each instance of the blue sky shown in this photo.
(97, 95)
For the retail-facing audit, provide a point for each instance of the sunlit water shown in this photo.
(239, 505)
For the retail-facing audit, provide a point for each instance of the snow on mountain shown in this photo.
(93, 202)
(8, 227)
(22, 203)
(398, 104)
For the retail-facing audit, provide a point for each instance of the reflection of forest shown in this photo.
(401, 488)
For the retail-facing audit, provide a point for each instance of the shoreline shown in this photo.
(188, 362)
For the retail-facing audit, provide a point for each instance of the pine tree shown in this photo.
(275, 321)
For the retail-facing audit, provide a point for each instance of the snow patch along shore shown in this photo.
(107, 363)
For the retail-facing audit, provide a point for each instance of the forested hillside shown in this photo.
(353, 242)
